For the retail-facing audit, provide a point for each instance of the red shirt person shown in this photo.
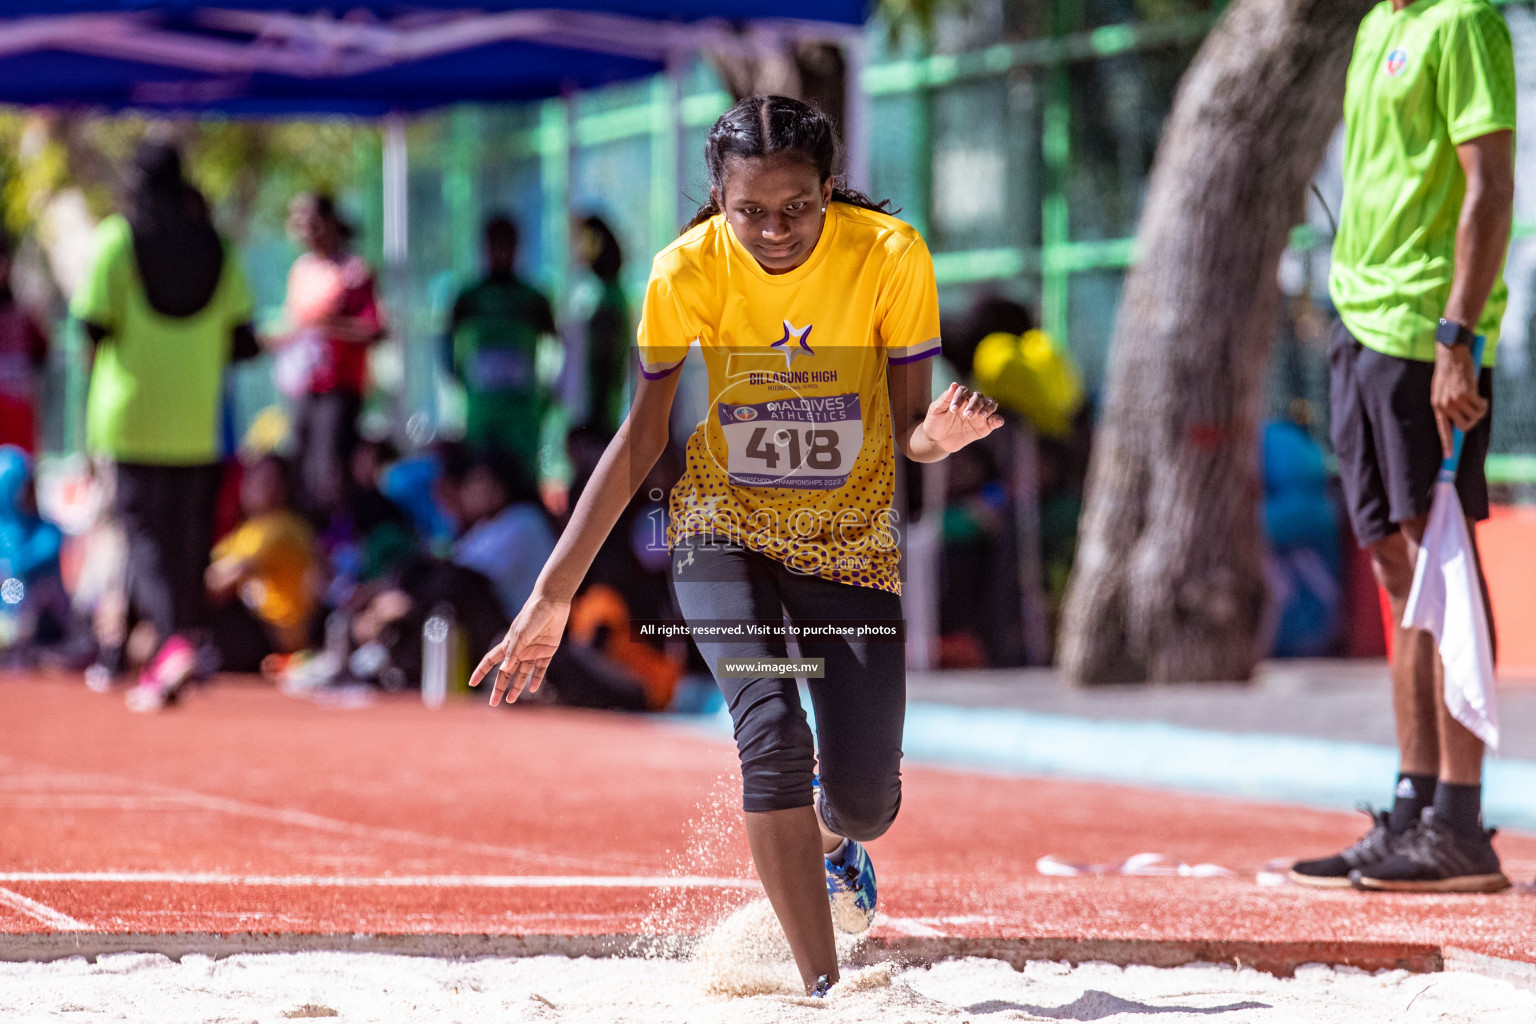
(23, 354)
(333, 307)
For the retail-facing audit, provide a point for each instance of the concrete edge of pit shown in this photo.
(1278, 958)
(1516, 972)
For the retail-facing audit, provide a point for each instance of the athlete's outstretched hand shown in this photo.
(960, 416)
(520, 660)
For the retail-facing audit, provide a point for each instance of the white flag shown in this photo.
(1447, 601)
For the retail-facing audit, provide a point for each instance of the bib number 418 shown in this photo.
(819, 447)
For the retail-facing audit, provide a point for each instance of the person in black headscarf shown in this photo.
(166, 307)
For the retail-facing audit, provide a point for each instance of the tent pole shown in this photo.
(397, 269)
(568, 204)
(856, 113)
(667, 158)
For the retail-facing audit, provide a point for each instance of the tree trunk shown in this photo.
(814, 72)
(1169, 582)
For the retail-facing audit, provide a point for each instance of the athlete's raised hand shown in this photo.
(520, 660)
(960, 416)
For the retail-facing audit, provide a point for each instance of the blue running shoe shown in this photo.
(850, 881)
(851, 887)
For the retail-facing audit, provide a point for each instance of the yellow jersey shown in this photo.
(280, 548)
(795, 458)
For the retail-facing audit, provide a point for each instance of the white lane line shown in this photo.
(72, 802)
(42, 912)
(304, 819)
(909, 926)
(386, 881)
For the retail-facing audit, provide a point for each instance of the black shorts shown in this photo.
(860, 704)
(1385, 437)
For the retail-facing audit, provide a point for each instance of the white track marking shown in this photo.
(86, 802)
(302, 819)
(909, 926)
(41, 912)
(384, 881)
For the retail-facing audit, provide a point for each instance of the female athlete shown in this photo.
(816, 313)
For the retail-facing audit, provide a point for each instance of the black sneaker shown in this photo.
(1333, 872)
(1431, 858)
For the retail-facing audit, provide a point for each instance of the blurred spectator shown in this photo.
(607, 335)
(1041, 456)
(628, 580)
(23, 354)
(426, 487)
(986, 315)
(1023, 369)
(505, 541)
(976, 530)
(166, 308)
(35, 612)
(333, 308)
(371, 535)
(492, 570)
(501, 348)
(264, 577)
(507, 536)
(1302, 526)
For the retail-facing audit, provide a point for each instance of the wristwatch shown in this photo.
(1451, 334)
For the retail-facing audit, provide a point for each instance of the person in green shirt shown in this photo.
(501, 348)
(1429, 119)
(166, 307)
(607, 332)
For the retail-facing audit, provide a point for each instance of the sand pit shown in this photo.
(351, 987)
(740, 974)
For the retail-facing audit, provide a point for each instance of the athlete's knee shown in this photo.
(777, 752)
(862, 810)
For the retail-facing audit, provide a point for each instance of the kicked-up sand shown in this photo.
(739, 974)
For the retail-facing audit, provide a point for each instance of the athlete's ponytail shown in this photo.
(766, 125)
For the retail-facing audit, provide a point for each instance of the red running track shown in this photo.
(278, 822)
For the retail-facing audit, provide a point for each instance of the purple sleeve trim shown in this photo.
(914, 358)
(658, 374)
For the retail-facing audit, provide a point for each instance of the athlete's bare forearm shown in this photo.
(1482, 233)
(919, 447)
(911, 385)
(630, 455)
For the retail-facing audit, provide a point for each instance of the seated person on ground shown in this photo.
(35, 612)
(370, 536)
(264, 577)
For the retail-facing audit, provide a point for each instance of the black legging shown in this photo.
(860, 703)
(324, 434)
(167, 517)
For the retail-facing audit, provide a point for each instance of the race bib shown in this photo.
(501, 369)
(793, 442)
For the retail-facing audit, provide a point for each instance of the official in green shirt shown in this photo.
(502, 349)
(166, 308)
(1429, 119)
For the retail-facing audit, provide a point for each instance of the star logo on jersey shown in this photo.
(1396, 61)
(788, 344)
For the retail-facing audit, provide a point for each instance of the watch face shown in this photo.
(1450, 333)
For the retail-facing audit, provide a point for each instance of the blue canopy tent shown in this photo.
(263, 57)
(257, 58)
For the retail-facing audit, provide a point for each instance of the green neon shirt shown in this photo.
(496, 330)
(1422, 81)
(157, 380)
